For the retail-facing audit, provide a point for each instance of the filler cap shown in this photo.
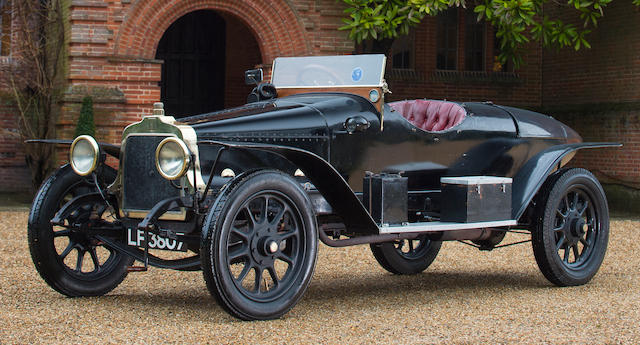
(158, 109)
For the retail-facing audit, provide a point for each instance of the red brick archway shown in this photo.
(274, 23)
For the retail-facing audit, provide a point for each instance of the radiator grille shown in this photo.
(143, 187)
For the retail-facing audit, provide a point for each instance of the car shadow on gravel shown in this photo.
(187, 301)
(194, 303)
(345, 288)
(439, 283)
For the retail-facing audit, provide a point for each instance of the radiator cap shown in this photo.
(158, 109)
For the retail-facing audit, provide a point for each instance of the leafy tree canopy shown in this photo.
(516, 21)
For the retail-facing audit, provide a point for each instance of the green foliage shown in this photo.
(86, 125)
(379, 19)
(516, 22)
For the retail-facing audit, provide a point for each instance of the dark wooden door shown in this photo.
(193, 50)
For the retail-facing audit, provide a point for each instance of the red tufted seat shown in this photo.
(430, 115)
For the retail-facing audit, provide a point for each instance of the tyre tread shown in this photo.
(545, 205)
(210, 240)
(37, 248)
(386, 254)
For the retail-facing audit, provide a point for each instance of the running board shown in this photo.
(442, 226)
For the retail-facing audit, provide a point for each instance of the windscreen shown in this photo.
(328, 71)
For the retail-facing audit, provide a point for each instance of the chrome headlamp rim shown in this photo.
(96, 154)
(186, 158)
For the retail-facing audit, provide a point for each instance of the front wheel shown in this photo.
(572, 228)
(259, 245)
(70, 261)
(406, 256)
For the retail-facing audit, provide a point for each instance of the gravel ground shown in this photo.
(466, 296)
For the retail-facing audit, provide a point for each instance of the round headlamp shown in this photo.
(172, 158)
(84, 155)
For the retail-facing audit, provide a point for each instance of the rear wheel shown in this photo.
(406, 256)
(70, 261)
(572, 230)
(259, 246)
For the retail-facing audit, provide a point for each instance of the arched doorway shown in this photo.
(205, 55)
(193, 73)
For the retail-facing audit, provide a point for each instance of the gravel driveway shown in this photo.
(466, 296)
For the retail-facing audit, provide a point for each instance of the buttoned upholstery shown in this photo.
(430, 115)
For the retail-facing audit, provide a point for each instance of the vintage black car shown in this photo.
(244, 194)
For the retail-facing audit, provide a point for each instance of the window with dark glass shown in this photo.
(474, 44)
(447, 39)
(402, 52)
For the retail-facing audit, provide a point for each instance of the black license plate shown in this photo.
(135, 238)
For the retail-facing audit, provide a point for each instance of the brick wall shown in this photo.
(112, 48)
(597, 92)
(242, 53)
(425, 81)
(622, 124)
(113, 44)
(14, 175)
(608, 72)
(321, 20)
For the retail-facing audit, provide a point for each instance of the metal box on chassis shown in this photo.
(470, 199)
(385, 196)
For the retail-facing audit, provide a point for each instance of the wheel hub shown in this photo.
(575, 228)
(264, 246)
(80, 239)
(579, 227)
(271, 247)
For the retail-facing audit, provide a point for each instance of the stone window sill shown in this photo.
(405, 74)
(455, 77)
(446, 76)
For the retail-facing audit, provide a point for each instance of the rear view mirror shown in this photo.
(253, 76)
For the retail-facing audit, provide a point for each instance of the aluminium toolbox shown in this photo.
(385, 196)
(470, 199)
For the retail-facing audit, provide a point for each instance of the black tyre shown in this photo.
(259, 245)
(71, 262)
(572, 227)
(406, 256)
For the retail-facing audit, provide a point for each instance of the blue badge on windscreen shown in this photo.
(356, 74)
